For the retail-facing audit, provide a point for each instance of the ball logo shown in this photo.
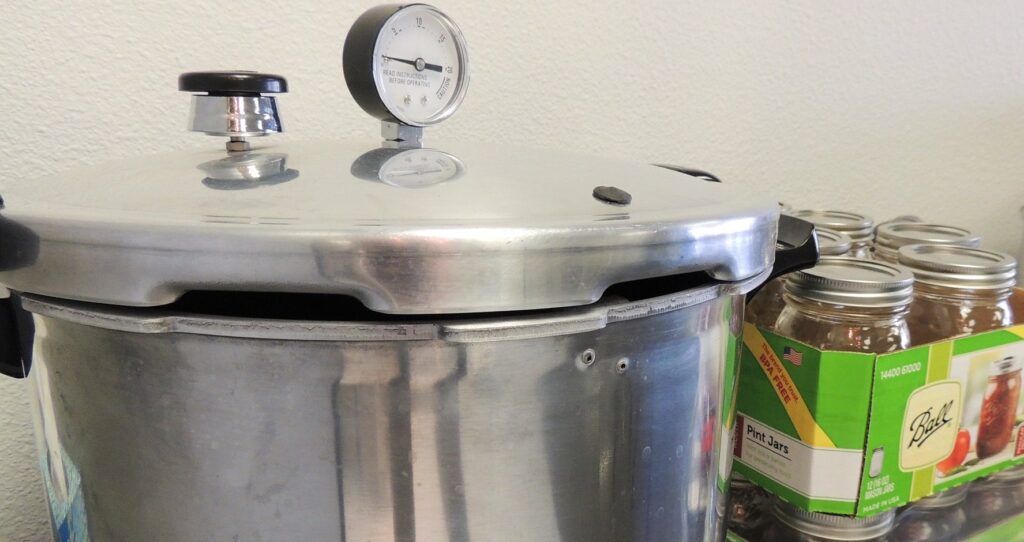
(930, 425)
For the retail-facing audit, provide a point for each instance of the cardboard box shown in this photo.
(856, 434)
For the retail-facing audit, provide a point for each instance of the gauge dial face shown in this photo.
(420, 65)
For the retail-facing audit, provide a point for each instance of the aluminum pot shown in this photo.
(320, 342)
(600, 424)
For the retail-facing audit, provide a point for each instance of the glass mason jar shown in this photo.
(958, 290)
(891, 236)
(999, 408)
(766, 306)
(795, 525)
(859, 228)
(748, 508)
(848, 304)
(995, 498)
(938, 518)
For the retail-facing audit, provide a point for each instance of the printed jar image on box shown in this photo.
(853, 433)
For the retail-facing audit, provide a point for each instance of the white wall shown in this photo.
(884, 107)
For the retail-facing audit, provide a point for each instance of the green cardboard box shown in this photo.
(857, 434)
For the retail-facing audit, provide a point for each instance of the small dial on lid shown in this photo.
(407, 64)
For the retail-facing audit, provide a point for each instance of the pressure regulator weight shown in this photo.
(406, 64)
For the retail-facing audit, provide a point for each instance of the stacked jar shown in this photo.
(959, 290)
(795, 525)
(859, 228)
(938, 518)
(764, 309)
(848, 304)
(891, 236)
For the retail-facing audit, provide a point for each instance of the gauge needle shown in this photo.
(419, 64)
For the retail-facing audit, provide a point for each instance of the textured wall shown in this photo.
(884, 107)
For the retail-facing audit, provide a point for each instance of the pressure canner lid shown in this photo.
(452, 229)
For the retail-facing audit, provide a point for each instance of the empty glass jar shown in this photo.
(764, 309)
(891, 236)
(958, 290)
(795, 525)
(859, 228)
(848, 304)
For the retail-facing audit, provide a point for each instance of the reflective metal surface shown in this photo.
(599, 424)
(408, 167)
(245, 170)
(891, 236)
(517, 229)
(959, 266)
(243, 116)
(853, 282)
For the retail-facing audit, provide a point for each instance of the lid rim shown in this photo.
(562, 321)
(894, 235)
(836, 527)
(832, 243)
(936, 265)
(892, 287)
(856, 226)
(517, 229)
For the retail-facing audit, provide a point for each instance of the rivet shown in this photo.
(587, 357)
(622, 365)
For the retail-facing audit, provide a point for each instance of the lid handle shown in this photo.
(795, 249)
(796, 246)
(234, 105)
(16, 330)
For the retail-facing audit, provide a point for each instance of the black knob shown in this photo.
(232, 83)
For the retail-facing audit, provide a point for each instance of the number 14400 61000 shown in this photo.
(909, 368)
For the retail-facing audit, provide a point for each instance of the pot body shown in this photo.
(610, 423)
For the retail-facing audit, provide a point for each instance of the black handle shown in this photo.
(232, 83)
(796, 246)
(16, 326)
(795, 249)
(15, 338)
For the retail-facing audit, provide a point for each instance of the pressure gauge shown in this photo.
(406, 64)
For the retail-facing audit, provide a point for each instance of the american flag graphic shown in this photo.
(791, 355)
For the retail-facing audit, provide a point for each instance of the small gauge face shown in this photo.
(417, 63)
(418, 168)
